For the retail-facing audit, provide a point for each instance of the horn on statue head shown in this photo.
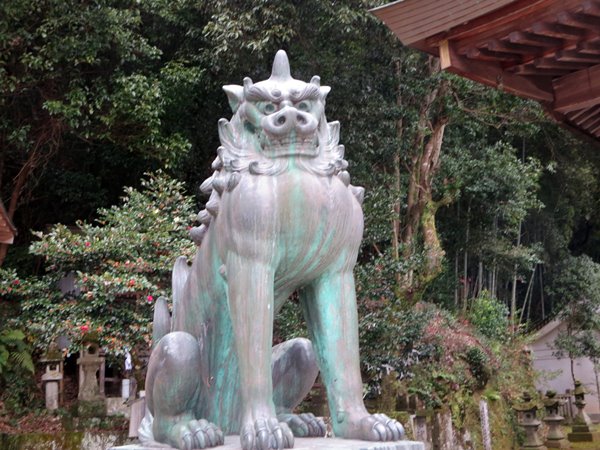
(281, 67)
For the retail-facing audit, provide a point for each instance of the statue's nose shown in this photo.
(289, 118)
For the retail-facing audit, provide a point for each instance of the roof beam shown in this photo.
(492, 74)
(520, 37)
(577, 90)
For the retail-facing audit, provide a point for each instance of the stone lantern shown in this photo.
(581, 423)
(527, 410)
(52, 379)
(89, 363)
(555, 438)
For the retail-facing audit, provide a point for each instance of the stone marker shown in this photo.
(52, 378)
(137, 411)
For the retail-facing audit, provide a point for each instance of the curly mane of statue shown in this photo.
(282, 217)
(254, 141)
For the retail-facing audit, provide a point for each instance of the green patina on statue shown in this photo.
(282, 217)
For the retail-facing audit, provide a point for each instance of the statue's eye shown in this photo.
(269, 108)
(303, 106)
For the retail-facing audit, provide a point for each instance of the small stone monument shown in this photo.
(52, 379)
(420, 426)
(90, 396)
(555, 437)
(527, 409)
(582, 431)
(89, 364)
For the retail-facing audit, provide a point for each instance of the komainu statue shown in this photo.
(282, 217)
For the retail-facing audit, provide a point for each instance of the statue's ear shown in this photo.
(235, 95)
(324, 90)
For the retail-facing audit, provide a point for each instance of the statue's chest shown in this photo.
(298, 214)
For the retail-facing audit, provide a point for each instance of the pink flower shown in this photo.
(88, 243)
(17, 282)
(84, 328)
(150, 299)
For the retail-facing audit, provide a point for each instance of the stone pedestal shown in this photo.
(532, 439)
(555, 438)
(52, 379)
(582, 432)
(233, 443)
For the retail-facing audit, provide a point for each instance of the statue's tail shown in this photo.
(181, 271)
(162, 319)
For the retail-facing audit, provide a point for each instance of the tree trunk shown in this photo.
(513, 298)
(417, 224)
(465, 282)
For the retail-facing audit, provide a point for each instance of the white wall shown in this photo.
(556, 373)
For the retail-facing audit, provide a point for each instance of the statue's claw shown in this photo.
(266, 434)
(394, 429)
(198, 434)
(379, 427)
(304, 425)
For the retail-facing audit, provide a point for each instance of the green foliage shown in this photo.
(479, 365)
(576, 285)
(489, 317)
(14, 352)
(17, 383)
(79, 82)
(119, 267)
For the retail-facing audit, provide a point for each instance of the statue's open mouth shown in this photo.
(290, 144)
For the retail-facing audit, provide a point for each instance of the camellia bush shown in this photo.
(111, 272)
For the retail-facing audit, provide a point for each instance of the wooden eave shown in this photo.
(7, 229)
(546, 50)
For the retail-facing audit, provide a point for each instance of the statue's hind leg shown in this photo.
(294, 369)
(173, 385)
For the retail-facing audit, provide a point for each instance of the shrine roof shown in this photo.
(546, 50)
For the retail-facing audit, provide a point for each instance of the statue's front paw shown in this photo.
(379, 427)
(266, 434)
(197, 434)
(304, 425)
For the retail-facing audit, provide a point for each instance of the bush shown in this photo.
(479, 365)
(489, 317)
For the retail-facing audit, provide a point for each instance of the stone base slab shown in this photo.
(233, 443)
(592, 436)
(557, 443)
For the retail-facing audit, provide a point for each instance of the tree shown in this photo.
(76, 79)
(119, 266)
(576, 284)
